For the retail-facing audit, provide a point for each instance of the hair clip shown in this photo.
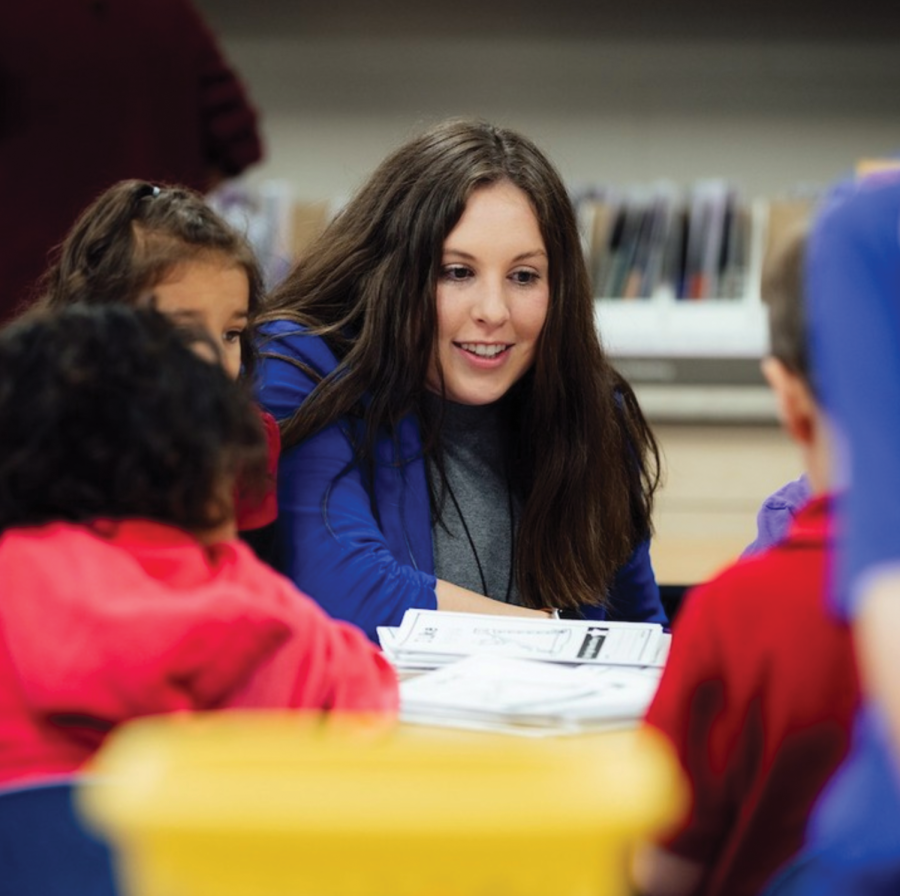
(147, 191)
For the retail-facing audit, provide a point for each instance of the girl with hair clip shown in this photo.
(125, 592)
(138, 244)
(455, 437)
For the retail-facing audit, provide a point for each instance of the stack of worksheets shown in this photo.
(528, 697)
(427, 639)
(522, 675)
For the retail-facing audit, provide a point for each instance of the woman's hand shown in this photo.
(461, 600)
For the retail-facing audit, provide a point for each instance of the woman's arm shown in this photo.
(657, 872)
(634, 594)
(461, 600)
(875, 633)
(335, 551)
(330, 542)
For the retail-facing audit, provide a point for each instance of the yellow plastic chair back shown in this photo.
(278, 804)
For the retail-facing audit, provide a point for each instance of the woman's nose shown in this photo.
(490, 306)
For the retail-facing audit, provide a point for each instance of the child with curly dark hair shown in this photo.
(125, 592)
(139, 244)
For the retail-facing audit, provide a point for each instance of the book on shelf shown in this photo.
(636, 262)
(263, 214)
(659, 241)
(704, 233)
(659, 236)
(715, 200)
(528, 697)
(623, 245)
(673, 255)
(735, 266)
(785, 214)
(605, 217)
(427, 639)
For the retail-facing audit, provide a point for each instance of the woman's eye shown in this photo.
(456, 272)
(525, 278)
(232, 336)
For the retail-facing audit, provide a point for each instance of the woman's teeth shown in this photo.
(483, 351)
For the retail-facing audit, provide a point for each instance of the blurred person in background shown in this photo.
(853, 269)
(96, 91)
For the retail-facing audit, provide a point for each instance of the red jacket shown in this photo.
(758, 697)
(101, 624)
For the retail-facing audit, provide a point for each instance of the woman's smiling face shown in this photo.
(492, 296)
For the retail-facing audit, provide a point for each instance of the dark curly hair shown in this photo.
(110, 412)
(132, 236)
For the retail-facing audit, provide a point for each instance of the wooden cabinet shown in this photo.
(716, 477)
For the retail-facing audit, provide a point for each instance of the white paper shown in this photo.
(431, 638)
(528, 696)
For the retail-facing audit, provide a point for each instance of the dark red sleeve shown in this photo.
(230, 133)
(690, 709)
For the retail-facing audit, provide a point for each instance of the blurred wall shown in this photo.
(764, 93)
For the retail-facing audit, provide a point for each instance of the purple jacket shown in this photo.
(777, 511)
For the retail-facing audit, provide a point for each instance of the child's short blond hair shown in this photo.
(783, 291)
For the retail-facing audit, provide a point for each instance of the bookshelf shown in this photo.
(683, 281)
(669, 328)
(690, 357)
(759, 93)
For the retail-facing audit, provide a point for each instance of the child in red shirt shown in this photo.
(142, 244)
(759, 692)
(125, 590)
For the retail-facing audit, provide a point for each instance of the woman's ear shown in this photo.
(796, 406)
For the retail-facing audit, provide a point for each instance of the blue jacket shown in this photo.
(363, 549)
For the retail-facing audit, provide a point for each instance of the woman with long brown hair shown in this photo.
(454, 435)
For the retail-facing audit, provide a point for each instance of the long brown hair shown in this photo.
(132, 236)
(582, 455)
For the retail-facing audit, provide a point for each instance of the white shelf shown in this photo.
(707, 404)
(665, 327)
(679, 329)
